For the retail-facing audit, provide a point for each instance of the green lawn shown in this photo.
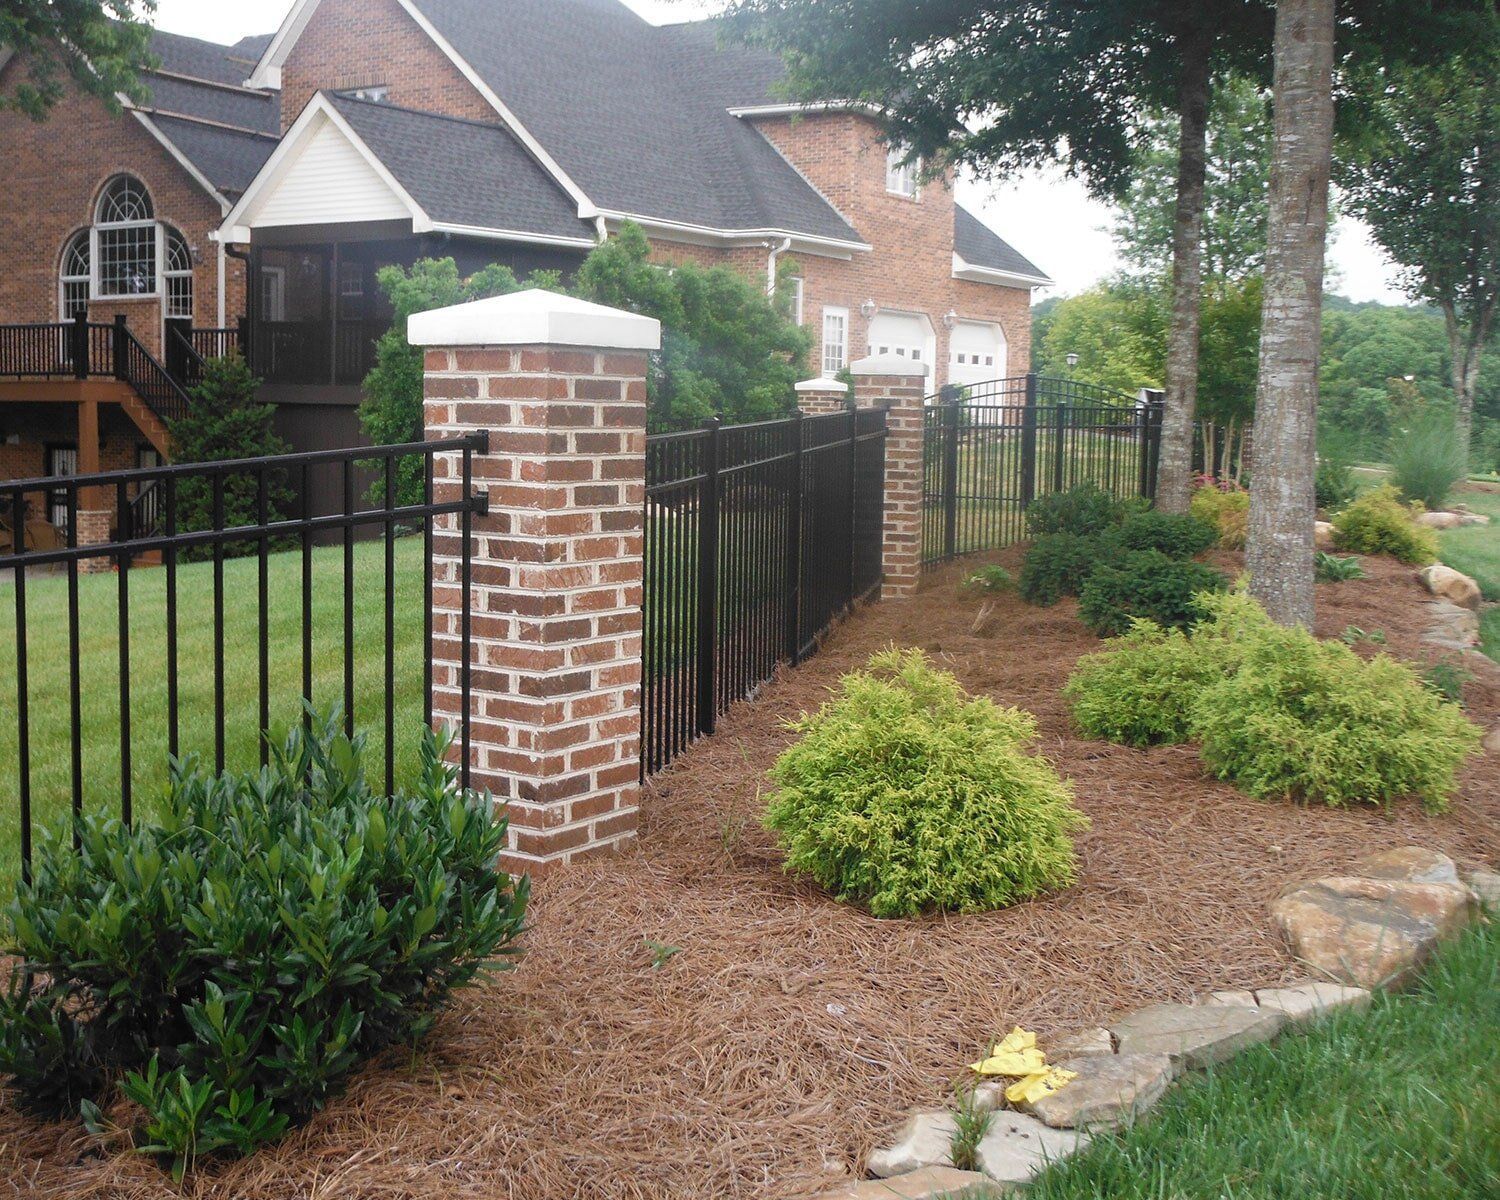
(1475, 551)
(47, 600)
(1402, 1103)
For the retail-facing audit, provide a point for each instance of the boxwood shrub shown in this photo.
(906, 795)
(1177, 535)
(1085, 510)
(1379, 522)
(1059, 564)
(231, 962)
(1145, 583)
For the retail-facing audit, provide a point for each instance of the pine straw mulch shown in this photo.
(769, 1055)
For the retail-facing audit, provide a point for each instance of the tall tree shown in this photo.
(1279, 549)
(99, 46)
(1000, 85)
(1424, 174)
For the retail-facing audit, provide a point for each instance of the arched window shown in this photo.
(73, 277)
(177, 272)
(126, 233)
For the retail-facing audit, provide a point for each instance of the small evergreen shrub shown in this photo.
(1175, 535)
(1148, 584)
(1428, 460)
(1227, 510)
(1084, 510)
(232, 962)
(1059, 564)
(1333, 482)
(1379, 523)
(1312, 721)
(906, 795)
(1330, 568)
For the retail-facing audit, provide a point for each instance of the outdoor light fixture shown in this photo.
(950, 319)
(1072, 360)
(868, 309)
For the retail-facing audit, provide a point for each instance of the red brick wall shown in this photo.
(360, 43)
(54, 171)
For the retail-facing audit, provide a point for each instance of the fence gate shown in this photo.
(989, 449)
(199, 612)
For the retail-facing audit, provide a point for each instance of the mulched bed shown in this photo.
(790, 1033)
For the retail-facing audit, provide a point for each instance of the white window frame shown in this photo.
(798, 294)
(86, 278)
(375, 93)
(96, 258)
(181, 275)
(835, 352)
(902, 179)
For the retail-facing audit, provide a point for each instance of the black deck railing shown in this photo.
(249, 624)
(757, 537)
(990, 449)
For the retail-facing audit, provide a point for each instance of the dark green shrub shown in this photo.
(905, 795)
(1379, 523)
(1333, 483)
(1312, 721)
(236, 959)
(1084, 510)
(1147, 584)
(1428, 460)
(1447, 679)
(1175, 535)
(1059, 564)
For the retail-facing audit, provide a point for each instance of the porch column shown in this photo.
(899, 384)
(559, 385)
(818, 396)
(94, 506)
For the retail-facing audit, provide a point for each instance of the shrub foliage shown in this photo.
(1084, 510)
(906, 795)
(1175, 535)
(1429, 459)
(1228, 510)
(1058, 565)
(231, 963)
(1148, 584)
(1379, 523)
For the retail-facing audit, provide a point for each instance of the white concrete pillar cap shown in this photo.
(821, 385)
(534, 318)
(888, 364)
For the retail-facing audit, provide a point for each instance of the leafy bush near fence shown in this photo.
(906, 795)
(1380, 523)
(1084, 510)
(1429, 459)
(232, 962)
(1276, 712)
(1148, 584)
(1228, 511)
(1058, 565)
(1177, 535)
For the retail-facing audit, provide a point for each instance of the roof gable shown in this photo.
(329, 177)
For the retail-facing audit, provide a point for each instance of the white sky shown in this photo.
(1048, 218)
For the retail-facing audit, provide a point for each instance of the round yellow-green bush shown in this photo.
(1228, 511)
(906, 795)
(1379, 522)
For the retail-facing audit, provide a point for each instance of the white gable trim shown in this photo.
(267, 72)
(796, 108)
(703, 235)
(993, 275)
(182, 159)
(318, 114)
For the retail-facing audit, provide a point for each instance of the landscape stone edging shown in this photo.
(1018, 1144)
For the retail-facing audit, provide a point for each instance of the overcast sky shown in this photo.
(1049, 219)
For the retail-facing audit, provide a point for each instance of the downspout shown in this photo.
(601, 229)
(776, 252)
(222, 302)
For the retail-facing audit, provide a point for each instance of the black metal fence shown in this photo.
(757, 537)
(244, 623)
(992, 448)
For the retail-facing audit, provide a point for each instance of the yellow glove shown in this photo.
(1015, 1054)
(1043, 1083)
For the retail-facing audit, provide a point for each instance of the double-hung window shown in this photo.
(901, 174)
(835, 340)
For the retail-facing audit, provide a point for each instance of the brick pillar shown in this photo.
(818, 396)
(900, 384)
(560, 387)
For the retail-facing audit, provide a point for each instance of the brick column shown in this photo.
(560, 387)
(818, 396)
(900, 384)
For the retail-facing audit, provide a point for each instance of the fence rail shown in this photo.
(990, 449)
(206, 657)
(757, 537)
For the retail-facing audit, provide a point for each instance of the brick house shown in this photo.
(519, 132)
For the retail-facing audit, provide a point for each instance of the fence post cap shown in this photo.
(889, 365)
(820, 385)
(534, 317)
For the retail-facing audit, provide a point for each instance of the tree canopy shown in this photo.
(98, 46)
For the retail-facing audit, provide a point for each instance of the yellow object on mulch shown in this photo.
(1017, 1056)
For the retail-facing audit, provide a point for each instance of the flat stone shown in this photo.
(1230, 999)
(1304, 1002)
(1017, 1146)
(926, 1140)
(1080, 1043)
(1194, 1035)
(1108, 1093)
(1492, 741)
(928, 1183)
(1486, 887)
(1450, 585)
(1323, 535)
(1440, 520)
(1414, 864)
(1451, 627)
(1370, 932)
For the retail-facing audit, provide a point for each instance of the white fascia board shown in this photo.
(267, 72)
(704, 235)
(999, 278)
(236, 227)
(506, 235)
(182, 159)
(793, 109)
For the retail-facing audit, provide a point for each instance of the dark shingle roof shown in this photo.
(464, 172)
(228, 158)
(629, 113)
(979, 246)
(257, 111)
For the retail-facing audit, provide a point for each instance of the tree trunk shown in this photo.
(1464, 354)
(1175, 474)
(1279, 551)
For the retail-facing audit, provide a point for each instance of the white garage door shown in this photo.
(976, 353)
(905, 334)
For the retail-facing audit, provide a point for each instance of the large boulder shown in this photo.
(1107, 1093)
(1323, 536)
(1370, 932)
(1453, 586)
(1440, 520)
(1194, 1035)
(1414, 864)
